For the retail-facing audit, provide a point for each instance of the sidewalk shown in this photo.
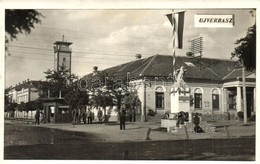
(137, 131)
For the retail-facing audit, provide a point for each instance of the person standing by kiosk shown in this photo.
(89, 116)
(122, 116)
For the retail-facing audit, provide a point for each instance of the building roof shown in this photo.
(27, 84)
(237, 74)
(162, 66)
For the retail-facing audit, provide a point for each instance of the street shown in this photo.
(29, 142)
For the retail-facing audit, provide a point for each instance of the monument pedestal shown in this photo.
(180, 100)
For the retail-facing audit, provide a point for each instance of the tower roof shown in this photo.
(62, 42)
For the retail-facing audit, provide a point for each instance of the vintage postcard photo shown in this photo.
(167, 83)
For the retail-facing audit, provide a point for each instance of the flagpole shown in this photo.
(173, 46)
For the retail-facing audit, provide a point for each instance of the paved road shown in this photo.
(29, 142)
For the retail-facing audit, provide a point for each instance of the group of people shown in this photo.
(86, 115)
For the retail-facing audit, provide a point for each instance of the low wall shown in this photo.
(216, 117)
(165, 123)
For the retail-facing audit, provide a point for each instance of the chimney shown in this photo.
(138, 56)
(95, 68)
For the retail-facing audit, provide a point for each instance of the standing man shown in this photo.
(79, 115)
(122, 116)
(84, 116)
(37, 117)
(99, 115)
(74, 117)
(89, 115)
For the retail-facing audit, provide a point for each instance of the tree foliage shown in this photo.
(76, 98)
(10, 107)
(246, 50)
(59, 81)
(131, 100)
(20, 21)
(102, 97)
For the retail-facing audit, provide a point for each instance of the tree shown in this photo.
(59, 81)
(102, 97)
(20, 21)
(131, 102)
(246, 51)
(10, 107)
(76, 98)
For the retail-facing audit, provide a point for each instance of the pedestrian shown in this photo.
(84, 116)
(37, 117)
(130, 116)
(122, 116)
(74, 117)
(99, 115)
(89, 116)
(78, 115)
(196, 122)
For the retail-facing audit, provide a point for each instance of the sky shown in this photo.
(107, 38)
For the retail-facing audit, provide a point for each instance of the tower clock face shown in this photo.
(64, 61)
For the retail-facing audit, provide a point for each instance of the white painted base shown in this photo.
(180, 102)
(175, 102)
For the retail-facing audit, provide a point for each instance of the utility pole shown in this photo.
(143, 117)
(244, 92)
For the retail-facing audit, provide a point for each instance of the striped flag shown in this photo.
(177, 21)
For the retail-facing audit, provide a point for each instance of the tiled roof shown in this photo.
(236, 73)
(161, 66)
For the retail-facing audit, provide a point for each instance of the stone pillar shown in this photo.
(143, 105)
(224, 100)
(238, 99)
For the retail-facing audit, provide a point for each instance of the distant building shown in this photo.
(22, 93)
(216, 85)
(55, 108)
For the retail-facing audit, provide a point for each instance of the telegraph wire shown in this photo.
(53, 60)
(81, 52)
(73, 56)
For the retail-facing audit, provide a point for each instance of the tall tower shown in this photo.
(62, 56)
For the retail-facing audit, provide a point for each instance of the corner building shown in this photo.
(216, 85)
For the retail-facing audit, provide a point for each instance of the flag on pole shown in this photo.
(177, 21)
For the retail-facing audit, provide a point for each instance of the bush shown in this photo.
(151, 112)
(240, 115)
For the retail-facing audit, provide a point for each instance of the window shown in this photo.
(198, 98)
(159, 96)
(215, 99)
